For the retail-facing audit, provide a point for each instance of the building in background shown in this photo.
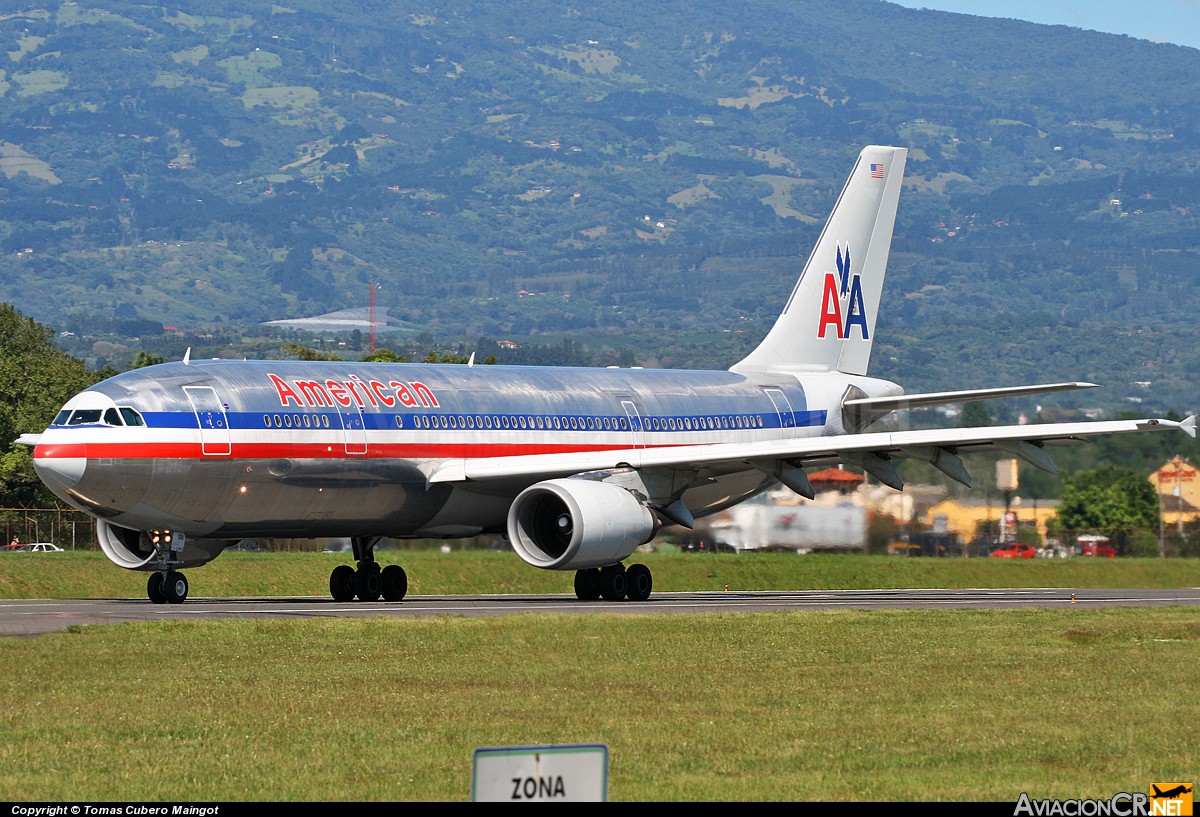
(1178, 486)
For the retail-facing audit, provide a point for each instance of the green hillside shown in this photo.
(618, 184)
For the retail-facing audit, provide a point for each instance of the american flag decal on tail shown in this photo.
(876, 171)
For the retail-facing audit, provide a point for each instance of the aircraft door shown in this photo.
(783, 407)
(638, 431)
(354, 430)
(211, 417)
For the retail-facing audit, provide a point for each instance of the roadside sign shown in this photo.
(565, 774)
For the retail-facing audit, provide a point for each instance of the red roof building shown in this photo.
(836, 479)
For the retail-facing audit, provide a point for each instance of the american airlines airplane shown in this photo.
(579, 467)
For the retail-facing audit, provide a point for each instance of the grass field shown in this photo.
(831, 706)
(87, 574)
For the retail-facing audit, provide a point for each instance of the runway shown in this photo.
(34, 617)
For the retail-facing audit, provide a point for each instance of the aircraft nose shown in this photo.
(59, 469)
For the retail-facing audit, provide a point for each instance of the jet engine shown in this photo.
(139, 550)
(572, 524)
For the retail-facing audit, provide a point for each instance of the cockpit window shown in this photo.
(60, 419)
(112, 418)
(84, 416)
(132, 418)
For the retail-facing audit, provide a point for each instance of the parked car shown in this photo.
(1014, 550)
(39, 547)
(1100, 550)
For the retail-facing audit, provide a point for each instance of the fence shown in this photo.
(69, 529)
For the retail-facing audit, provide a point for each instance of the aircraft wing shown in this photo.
(783, 458)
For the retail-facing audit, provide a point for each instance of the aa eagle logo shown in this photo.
(842, 301)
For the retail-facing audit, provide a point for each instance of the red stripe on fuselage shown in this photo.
(47, 451)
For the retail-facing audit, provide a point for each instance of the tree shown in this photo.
(143, 359)
(446, 357)
(297, 352)
(975, 414)
(1109, 500)
(384, 356)
(36, 378)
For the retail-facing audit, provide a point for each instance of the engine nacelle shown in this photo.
(139, 550)
(571, 524)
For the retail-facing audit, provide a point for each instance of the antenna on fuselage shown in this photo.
(187, 356)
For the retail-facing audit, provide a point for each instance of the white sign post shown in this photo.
(565, 774)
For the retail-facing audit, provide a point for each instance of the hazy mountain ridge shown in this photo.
(648, 167)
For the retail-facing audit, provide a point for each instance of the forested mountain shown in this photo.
(618, 182)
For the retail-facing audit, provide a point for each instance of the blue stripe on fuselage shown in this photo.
(487, 421)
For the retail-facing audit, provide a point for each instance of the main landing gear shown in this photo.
(167, 587)
(614, 583)
(369, 582)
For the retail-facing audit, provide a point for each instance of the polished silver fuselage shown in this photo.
(234, 449)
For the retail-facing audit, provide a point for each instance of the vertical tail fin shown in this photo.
(828, 323)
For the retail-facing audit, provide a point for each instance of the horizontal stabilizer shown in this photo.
(941, 398)
(860, 412)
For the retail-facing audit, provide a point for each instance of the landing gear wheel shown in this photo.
(638, 582)
(154, 589)
(341, 583)
(612, 582)
(368, 584)
(175, 587)
(587, 584)
(395, 583)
